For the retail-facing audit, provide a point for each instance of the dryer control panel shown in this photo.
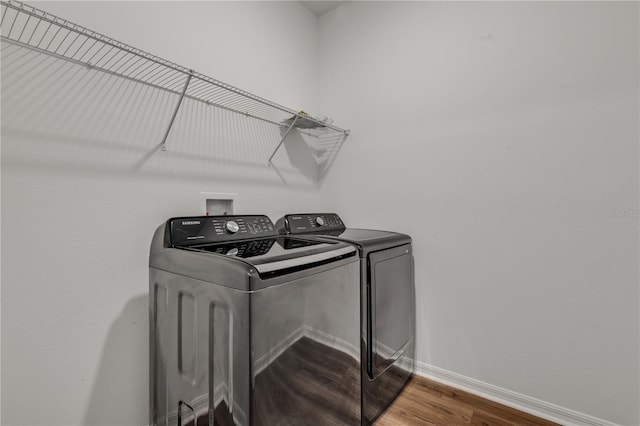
(326, 223)
(187, 231)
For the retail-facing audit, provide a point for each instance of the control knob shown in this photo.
(319, 221)
(231, 227)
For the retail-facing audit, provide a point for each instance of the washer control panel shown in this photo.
(310, 222)
(214, 229)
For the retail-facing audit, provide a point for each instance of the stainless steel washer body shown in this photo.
(251, 328)
(387, 303)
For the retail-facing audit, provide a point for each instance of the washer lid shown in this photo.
(277, 255)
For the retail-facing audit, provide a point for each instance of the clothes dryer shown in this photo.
(387, 303)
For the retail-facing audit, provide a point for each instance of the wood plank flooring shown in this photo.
(425, 402)
(313, 385)
(309, 384)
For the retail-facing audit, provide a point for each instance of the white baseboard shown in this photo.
(278, 349)
(312, 333)
(333, 342)
(528, 404)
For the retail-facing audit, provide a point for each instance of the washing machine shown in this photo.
(248, 327)
(387, 303)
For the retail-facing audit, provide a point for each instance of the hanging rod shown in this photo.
(35, 29)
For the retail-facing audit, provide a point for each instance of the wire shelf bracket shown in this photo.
(175, 112)
(293, 122)
(35, 29)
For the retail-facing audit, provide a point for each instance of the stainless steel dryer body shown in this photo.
(253, 331)
(387, 303)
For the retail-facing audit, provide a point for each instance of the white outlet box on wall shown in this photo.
(217, 204)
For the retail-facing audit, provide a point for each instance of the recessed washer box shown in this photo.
(217, 204)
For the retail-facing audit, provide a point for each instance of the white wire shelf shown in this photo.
(40, 31)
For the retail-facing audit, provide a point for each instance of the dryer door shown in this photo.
(391, 300)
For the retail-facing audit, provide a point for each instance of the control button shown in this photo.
(232, 252)
(231, 227)
(319, 221)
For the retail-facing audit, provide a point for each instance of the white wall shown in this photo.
(84, 187)
(499, 135)
(509, 131)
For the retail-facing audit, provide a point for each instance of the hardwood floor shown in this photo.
(311, 384)
(425, 402)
